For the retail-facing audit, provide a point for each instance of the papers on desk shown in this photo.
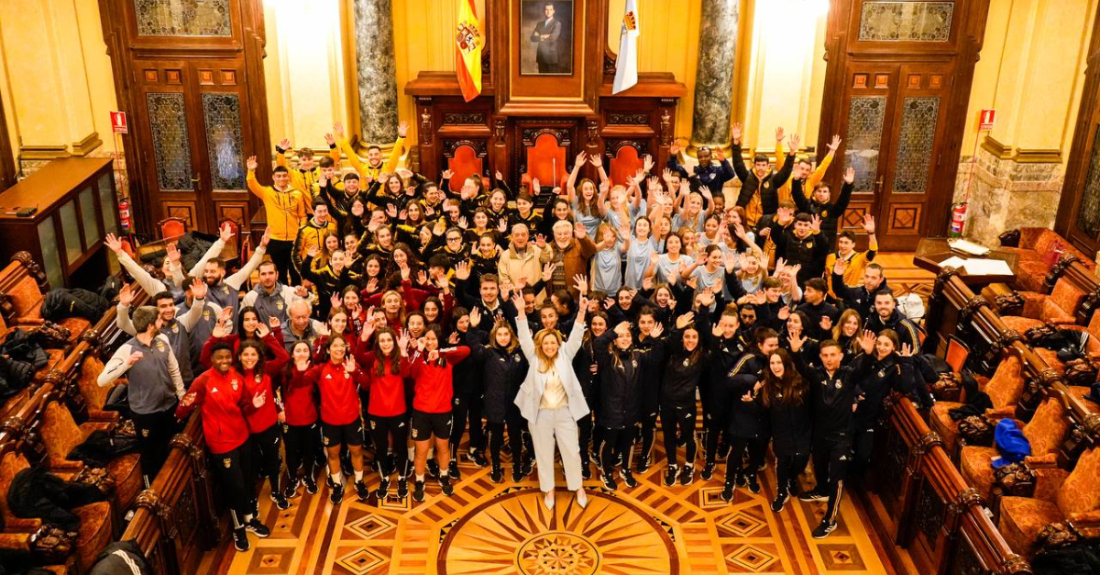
(978, 267)
(967, 247)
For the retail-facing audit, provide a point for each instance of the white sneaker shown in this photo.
(549, 500)
(582, 498)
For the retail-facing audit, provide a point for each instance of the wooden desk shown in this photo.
(931, 251)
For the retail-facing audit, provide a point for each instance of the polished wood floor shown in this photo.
(488, 528)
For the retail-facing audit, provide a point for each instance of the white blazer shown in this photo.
(530, 393)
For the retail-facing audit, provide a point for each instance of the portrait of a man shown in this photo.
(547, 28)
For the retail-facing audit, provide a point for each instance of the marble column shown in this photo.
(714, 76)
(375, 71)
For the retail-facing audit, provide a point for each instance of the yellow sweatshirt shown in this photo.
(305, 181)
(815, 178)
(364, 169)
(286, 210)
(857, 264)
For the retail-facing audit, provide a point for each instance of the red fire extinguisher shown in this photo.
(124, 214)
(958, 219)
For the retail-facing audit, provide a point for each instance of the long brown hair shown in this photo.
(791, 389)
(499, 325)
(380, 357)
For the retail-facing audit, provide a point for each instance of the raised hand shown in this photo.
(198, 289)
(462, 270)
(647, 163)
(391, 211)
(834, 144)
(815, 223)
(840, 266)
(869, 223)
(535, 187)
(448, 174)
(850, 175)
(134, 358)
(548, 271)
(867, 341)
(126, 295)
(502, 225)
(453, 338)
(113, 243)
(173, 252)
(779, 134)
(706, 298)
(475, 317)
(402, 129)
(349, 364)
(685, 320)
(330, 140)
(826, 322)
(262, 330)
(251, 163)
(402, 341)
(596, 160)
(581, 159)
(795, 141)
(579, 231)
(338, 129)
(674, 148)
(796, 341)
(581, 283)
(657, 330)
(784, 313)
(284, 144)
(906, 350)
(735, 132)
(274, 323)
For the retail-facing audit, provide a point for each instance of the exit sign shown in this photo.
(118, 123)
(985, 120)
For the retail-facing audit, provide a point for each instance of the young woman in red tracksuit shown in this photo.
(339, 380)
(224, 403)
(387, 364)
(432, 372)
(300, 427)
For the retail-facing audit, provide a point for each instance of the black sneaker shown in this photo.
(311, 485)
(433, 468)
(517, 474)
(361, 490)
(822, 531)
(384, 488)
(727, 492)
(337, 494)
(497, 475)
(418, 491)
(742, 479)
(445, 484)
(259, 529)
(813, 495)
(586, 470)
(452, 470)
(328, 481)
(609, 482)
(292, 488)
(708, 471)
(240, 539)
(628, 477)
(643, 464)
(670, 476)
(528, 466)
(402, 487)
(478, 457)
(687, 475)
(280, 501)
(754, 485)
(780, 501)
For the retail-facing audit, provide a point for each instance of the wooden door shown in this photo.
(1079, 207)
(897, 89)
(190, 75)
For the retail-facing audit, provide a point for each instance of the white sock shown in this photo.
(358, 476)
(248, 518)
(443, 472)
(337, 478)
(420, 478)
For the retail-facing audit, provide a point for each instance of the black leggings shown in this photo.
(515, 440)
(616, 440)
(584, 434)
(710, 448)
(154, 432)
(756, 448)
(648, 431)
(682, 417)
(788, 466)
(381, 429)
(268, 461)
(463, 408)
(831, 458)
(232, 470)
(302, 443)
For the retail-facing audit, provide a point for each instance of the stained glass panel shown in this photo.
(1088, 214)
(171, 143)
(222, 115)
(865, 118)
(919, 118)
(906, 21)
(183, 17)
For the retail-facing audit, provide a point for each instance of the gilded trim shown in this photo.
(87, 145)
(1021, 155)
(44, 152)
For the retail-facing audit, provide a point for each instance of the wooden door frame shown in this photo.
(123, 48)
(964, 46)
(9, 175)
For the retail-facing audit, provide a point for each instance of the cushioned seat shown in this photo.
(1044, 432)
(76, 326)
(1004, 390)
(95, 531)
(1036, 250)
(1081, 392)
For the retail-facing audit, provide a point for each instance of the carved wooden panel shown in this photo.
(852, 220)
(464, 118)
(930, 513)
(904, 219)
(152, 76)
(628, 118)
(206, 77)
(234, 210)
(893, 21)
(173, 76)
(180, 209)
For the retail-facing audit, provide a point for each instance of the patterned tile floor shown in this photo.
(489, 528)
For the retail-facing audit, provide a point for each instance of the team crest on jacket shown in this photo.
(227, 462)
(160, 346)
(414, 433)
(882, 374)
(175, 328)
(258, 378)
(205, 314)
(824, 214)
(279, 305)
(372, 425)
(236, 384)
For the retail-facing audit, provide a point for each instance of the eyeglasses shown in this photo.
(454, 239)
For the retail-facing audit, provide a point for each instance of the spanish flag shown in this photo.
(468, 43)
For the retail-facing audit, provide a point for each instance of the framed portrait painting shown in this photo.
(546, 37)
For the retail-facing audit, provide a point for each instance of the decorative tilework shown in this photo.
(920, 116)
(865, 117)
(222, 117)
(183, 18)
(171, 142)
(906, 21)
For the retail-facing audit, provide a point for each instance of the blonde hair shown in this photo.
(499, 325)
(546, 362)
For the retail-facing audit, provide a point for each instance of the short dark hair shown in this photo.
(764, 334)
(163, 295)
(830, 343)
(771, 282)
(351, 176)
(267, 263)
(221, 345)
(884, 292)
(817, 284)
(374, 147)
(144, 317)
(846, 235)
(439, 261)
(318, 203)
(490, 278)
(648, 311)
(281, 170)
(326, 162)
(760, 158)
(803, 217)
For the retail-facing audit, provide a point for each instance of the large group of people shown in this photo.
(397, 320)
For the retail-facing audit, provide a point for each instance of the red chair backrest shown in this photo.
(464, 164)
(546, 161)
(624, 165)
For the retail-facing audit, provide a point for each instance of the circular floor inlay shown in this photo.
(557, 553)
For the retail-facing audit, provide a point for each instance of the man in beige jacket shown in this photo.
(521, 259)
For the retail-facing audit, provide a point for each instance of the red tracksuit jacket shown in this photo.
(299, 398)
(224, 405)
(387, 391)
(435, 382)
(339, 391)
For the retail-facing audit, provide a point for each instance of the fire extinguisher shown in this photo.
(958, 219)
(124, 214)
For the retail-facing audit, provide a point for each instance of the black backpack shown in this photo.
(62, 303)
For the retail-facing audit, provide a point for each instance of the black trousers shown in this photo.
(735, 465)
(831, 456)
(616, 440)
(154, 432)
(863, 444)
(381, 430)
(232, 471)
(787, 468)
(302, 443)
(269, 462)
(713, 434)
(682, 418)
(496, 430)
(281, 252)
(584, 436)
(465, 408)
(648, 430)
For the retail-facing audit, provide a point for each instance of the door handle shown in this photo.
(878, 185)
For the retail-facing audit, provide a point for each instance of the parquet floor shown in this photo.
(497, 529)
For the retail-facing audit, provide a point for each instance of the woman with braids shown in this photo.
(551, 399)
(387, 363)
(503, 369)
(786, 398)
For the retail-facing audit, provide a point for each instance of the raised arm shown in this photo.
(523, 331)
(570, 189)
(236, 280)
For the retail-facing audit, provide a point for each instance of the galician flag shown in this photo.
(468, 44)
(626, 67)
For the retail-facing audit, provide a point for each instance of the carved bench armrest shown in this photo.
(16, 541)
(1048, 461)
(22, 525)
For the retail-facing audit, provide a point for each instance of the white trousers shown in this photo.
(552, 425)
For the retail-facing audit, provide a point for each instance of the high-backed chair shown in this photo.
(1076, 498)
(1057, 309)
(1004, 390)
(1039, 249)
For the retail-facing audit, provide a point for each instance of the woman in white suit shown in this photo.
(551, 399)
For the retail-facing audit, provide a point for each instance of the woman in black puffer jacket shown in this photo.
(503, 369)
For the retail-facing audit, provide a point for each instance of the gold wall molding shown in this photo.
(44, 152)
(1021, 155)
(87, 145)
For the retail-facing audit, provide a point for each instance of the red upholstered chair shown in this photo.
(1057, 309)
(464, 164)
(1076, 498)
(624, 165)
(1038, 249)
(172, 228)
(546, 161)
(1044, 432)
(957, 354)
(1004, 390)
